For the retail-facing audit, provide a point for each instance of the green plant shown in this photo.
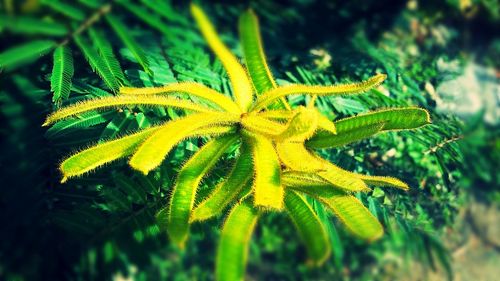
(276, 166)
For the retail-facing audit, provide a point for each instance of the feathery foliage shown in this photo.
(62, 72)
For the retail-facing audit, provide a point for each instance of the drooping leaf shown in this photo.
(121, 30)
(18, 55)
(117, 101)
(104, 48)
(384, 181)
(97, 63)
(356, 217)
(62, 72)
(309, 227)
(342, 89)
(183, 195)
(194, 89)
(225, 192)
(365, 125)
(153, 150)
(267, 189)
(242, 87)
(232, 251)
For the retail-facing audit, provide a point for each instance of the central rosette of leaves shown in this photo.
(276, 164)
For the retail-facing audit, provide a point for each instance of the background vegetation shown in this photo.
(443, 57)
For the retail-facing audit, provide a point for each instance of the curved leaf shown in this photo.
(365, 125)
(154, 149)
(226, 191)
(183, 195)
(309, 227)
(190, 88)
(107, 55)
(232, 251)
(110, 102)
(341, 89)
(242, 88)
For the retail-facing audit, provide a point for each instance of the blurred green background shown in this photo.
(440, 55)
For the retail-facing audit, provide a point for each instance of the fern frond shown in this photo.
(25, 53)
(384, 181)
(104, 48)
(62, 72)
(153, 150)
(191, 88)
(97, 63)
(226, 191)
(65, 9)
(364, 125)
(121, 30)
(356, 217)
(110, 102)
(232, 251)
(184, 192)
(267, 189)
(309, 227)
(100, 154)
(268, 97)
(242, 87)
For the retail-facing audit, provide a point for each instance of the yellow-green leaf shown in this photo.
(226, 191)
(232, 251)
(242, 87)
(309, 227)
(155, 148)
(342, 89)
(190, 88)
(183, 195)
(267, 189)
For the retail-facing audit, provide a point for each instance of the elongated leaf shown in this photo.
(97, 63)
(365, 125)
(228, 190)
(323, 122)
(342, 179)
(32, 26)
(356, 217)
(267, 188)
(25, 53)
(232, 251)
(106, 52)
(295, 156)
(242, 87)
(154, 149)
(100, 154)
(106, 152)
(342, 89)
(384, 181)
(194, 89)
(65, 9)
(129, 41)
(62, 72)
(62, 128)
(263, 126)
(183, 196)
(110, 102)
(308, 183)
(309, 227)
